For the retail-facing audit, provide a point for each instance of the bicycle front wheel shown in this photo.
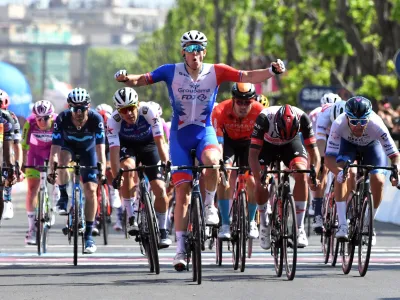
(39, 222)
(104, 212)
(365, 235)
(196, 238)
(153, 239)
(276, 237)
(243, 229)
(347, 248)
(334, 242)
(76, 226)
(290, 237)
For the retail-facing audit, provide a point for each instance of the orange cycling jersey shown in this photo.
(227, 123)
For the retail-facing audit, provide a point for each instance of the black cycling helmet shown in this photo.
(358, 107)
(243, 90)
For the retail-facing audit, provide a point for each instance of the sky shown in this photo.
(140, 3)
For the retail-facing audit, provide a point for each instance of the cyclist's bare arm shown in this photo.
(161, 147)
(256, 76)
(315, 158)
(54, 156)
(7, 150)
(254, 163)
(101, 156)
(321, 147)
(131, 79)
(114, 160)
(17, 147)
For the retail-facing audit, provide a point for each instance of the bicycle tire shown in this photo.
(39, 222)
(45, 238)
(235, 234)
(124, 222)
(76, 225)
(347, 248)
(365, 238)
(243, 229)
(290, 233)
(104, 213)
(249, 247)
(218, 252)
(327, 232)
(153, 239)
(196, 247)
(334, 242)
(276, 238)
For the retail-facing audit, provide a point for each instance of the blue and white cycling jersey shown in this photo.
(67, 134)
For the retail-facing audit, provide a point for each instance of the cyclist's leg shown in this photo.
(63, 178)
(89, 179)
(209, 153)
(180, 155)
(224, 193)
(295, 157)
(33, 180)
(149, 156)
(128, 190)
(346, 152)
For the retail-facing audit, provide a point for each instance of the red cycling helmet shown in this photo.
(287, 122)
(4, 100)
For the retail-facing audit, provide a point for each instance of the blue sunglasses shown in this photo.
(355, 122)
(82, 108)
(194, 48)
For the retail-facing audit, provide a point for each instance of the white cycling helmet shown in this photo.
(158, 107)
(125, 97)
(330, 98)
(78, 96)
(193, 36)
(337, 109)
(104, 107)
(43, 108)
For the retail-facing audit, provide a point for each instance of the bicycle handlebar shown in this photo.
(312, 173)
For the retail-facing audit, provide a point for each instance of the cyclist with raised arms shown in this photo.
(359, 131)
(135, 132)
(6, 143)
(36, 144)
(17, 153)
(276, 133)
(233, 120)
(79, 130)
(192, 87)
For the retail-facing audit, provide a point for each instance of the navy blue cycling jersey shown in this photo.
(67, 134)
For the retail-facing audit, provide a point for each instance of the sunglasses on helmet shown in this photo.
(194, 48)
(126, 109)
(78, 108)
(355, 122)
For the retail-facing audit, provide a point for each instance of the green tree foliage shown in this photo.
(344, 43)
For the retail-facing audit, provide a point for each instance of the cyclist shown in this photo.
(6, 140)
(276, 132)
(263, 100)
(106, 111)
(17, 152)
(192, 86)
(233, 120)
(79, 131)
(359, 131)
(36, 144)
(135, 131)
(327, 100)
(325, 119)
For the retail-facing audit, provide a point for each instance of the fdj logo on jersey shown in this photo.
(188, 97)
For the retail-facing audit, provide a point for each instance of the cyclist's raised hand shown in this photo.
(278, 67)
(121, 76)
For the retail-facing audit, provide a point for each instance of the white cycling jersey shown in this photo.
(324, 122)
(148, 125)
(375, 130)
(313, 115)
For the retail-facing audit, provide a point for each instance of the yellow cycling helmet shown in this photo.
(263, 100)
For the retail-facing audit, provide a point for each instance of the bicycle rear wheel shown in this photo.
(76, 225)
(152, 236)
(290, 237)
(243, 229)
(124, 223)
(104, 212)
(327, 231)
(276, 238)
(196, 239)
(39, 222)
(347, 248)
(218, 251)
(365, 235)
(45, 238)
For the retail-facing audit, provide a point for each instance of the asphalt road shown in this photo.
(119, 271)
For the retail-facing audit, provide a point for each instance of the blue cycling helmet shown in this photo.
(358, 107)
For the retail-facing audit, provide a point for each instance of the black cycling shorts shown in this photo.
(236, 151)
(146, 155)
